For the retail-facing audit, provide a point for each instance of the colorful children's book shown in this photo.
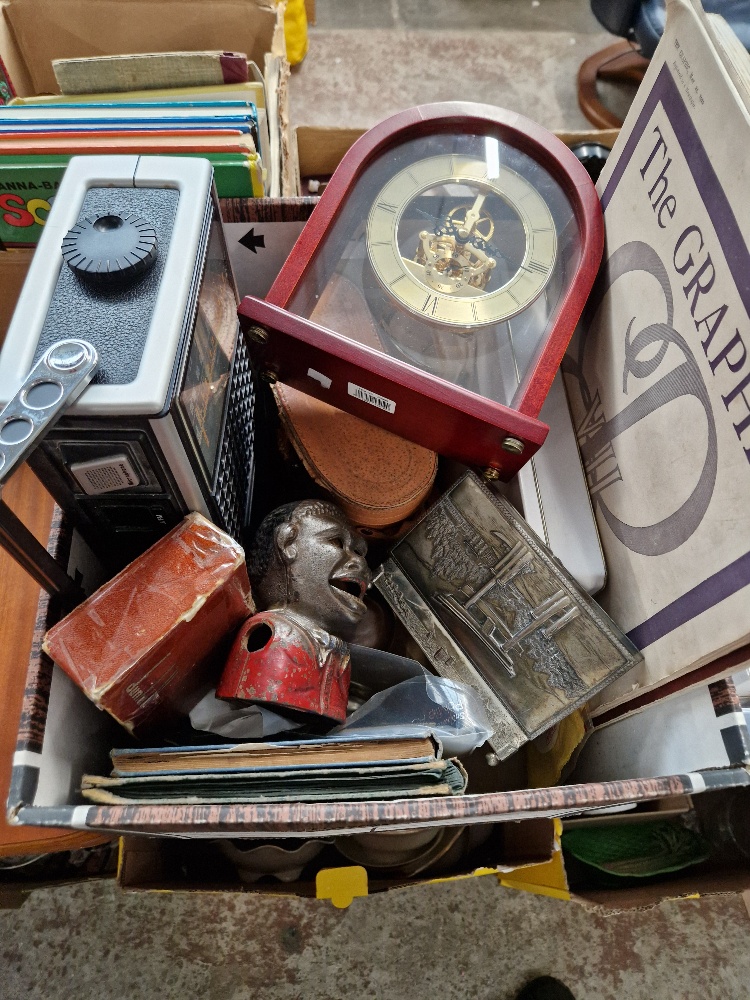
(37, 142)
(148, 114)
(191, 140)
(28, 185)
(126, 108)
(252, 90)
(191, 102)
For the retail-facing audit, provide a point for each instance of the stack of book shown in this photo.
(226, 124)
(344, 768)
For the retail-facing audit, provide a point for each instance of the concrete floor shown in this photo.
(371, 58)
(468, 939)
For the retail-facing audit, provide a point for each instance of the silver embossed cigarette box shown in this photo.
(490, 606)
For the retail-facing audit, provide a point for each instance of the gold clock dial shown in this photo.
(457, 244)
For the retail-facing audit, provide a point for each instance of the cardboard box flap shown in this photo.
(13, 72)
(711, 879)
(62, 29)
(506, 850)
(320, 149)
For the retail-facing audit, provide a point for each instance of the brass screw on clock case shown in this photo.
(258, 334)
(513, 445)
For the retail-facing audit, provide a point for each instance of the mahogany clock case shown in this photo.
(456, 369)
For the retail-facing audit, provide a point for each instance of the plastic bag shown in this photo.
(250, 722)
(453, 713)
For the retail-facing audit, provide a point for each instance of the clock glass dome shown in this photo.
(451, 253)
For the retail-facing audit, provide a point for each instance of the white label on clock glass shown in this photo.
(380, 402)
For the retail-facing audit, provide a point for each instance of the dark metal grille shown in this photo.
(234, 480)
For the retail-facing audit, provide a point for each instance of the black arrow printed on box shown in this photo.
(255, 272)
(253, 242)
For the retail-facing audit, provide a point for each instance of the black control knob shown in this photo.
(110, 249)
(593, 155)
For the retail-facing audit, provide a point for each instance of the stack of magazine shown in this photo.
(658, 372)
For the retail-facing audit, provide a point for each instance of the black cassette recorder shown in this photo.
(133, 260)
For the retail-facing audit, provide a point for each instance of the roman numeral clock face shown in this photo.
(459, 242)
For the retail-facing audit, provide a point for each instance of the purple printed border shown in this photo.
(717, 205)
(694, 602)
(736, 575)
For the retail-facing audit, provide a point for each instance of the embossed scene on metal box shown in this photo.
(532, 638)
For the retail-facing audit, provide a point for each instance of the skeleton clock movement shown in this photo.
(438, 282)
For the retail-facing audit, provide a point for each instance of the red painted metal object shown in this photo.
(434, 407)
(277, 662)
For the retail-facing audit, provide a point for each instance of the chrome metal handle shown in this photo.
(52, 385)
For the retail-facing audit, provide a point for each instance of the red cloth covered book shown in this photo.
(147, 644)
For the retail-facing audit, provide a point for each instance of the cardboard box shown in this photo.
(62, 735)
(14, 266)
(163, 864)
(320, 149)
(18, 598)
(38, 31)
(34, 32)
(525, 855)
(717, 875)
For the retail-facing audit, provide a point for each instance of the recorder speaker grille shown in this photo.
(235, 473)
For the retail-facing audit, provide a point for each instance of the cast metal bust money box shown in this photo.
(308, 571)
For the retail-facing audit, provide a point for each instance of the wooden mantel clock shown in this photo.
(438, 282)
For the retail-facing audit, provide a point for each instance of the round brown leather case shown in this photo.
(377, 479)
